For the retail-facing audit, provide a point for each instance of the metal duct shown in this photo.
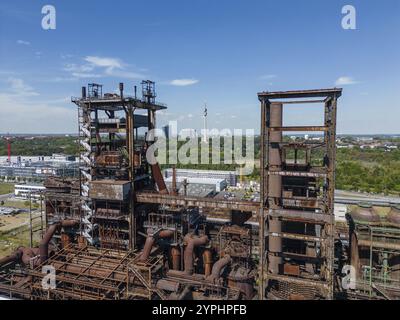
(174, 189)
(22, 254)
(176, 258)
(158, 178)
(192, 242)
(168, 285)
(150, 240)
(275, 188)
(44, 243)
(14, 257)
(218, 267)
(208, 262)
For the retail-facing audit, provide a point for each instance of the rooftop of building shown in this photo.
(202, 171)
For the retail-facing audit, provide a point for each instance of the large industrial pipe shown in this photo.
(192, 242)
(174, 189)
(25, 255)
(184, 295)
(176, 258)
(168, 285)
(22, 254)
(207, 260)
(163, 234)
(148, 245)
(218, 267)
(14, 257)
(44, 243)
(158, 178)
(275, 189)
(28, 254)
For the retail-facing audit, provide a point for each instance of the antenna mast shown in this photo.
(205, 138)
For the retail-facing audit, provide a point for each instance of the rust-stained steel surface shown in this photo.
(299, 203)
(109, 189)
(90, 274)
(294, 94)
(149, 197)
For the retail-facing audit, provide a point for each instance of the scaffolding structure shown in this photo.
(85, 273)
(112, 164)
(297, 196)
(375, 257)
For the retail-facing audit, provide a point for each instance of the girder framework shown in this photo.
(86, 273)
(297, 196)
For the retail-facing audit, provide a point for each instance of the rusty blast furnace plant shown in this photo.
(118, 232)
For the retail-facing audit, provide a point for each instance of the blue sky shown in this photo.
(222, 52)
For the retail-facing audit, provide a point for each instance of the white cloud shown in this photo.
(78, 68)
(85, 75)
(268, 76)
(22, 115)
(61, 79)
(66, 56)
(124, 74)
(104, 62)
(23, 42)
(96, 67)
(342, 81)
(22, 112)
(183, 82)
(20, 88)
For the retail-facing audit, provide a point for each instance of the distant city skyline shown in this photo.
(222, 52)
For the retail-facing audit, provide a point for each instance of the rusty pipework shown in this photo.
(65, 240)
(176, 258)
(174, 189)
(275, 188)
(22, 254)
(208, 262)
(184, 295)
(168, 285)
(25, 255)
(44, 243)
(192, 242)
(158, 178)
(94, 271)
(13, 257)
(218, 267)
(150, 240)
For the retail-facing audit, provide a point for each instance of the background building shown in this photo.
(229, 176)
(38, 167)
(26, 191)
(197, 186)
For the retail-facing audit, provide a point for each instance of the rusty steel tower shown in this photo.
(297, 197)
(112, 161)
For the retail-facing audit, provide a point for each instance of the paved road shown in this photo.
(5, 196)
(356, 197)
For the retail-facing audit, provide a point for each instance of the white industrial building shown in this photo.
(340, 211)
(25, 191)
(38, 167)
(229, 176)
(216, 184)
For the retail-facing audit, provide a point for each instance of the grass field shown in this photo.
(6, 187)
(14, 232)
(17, 204)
